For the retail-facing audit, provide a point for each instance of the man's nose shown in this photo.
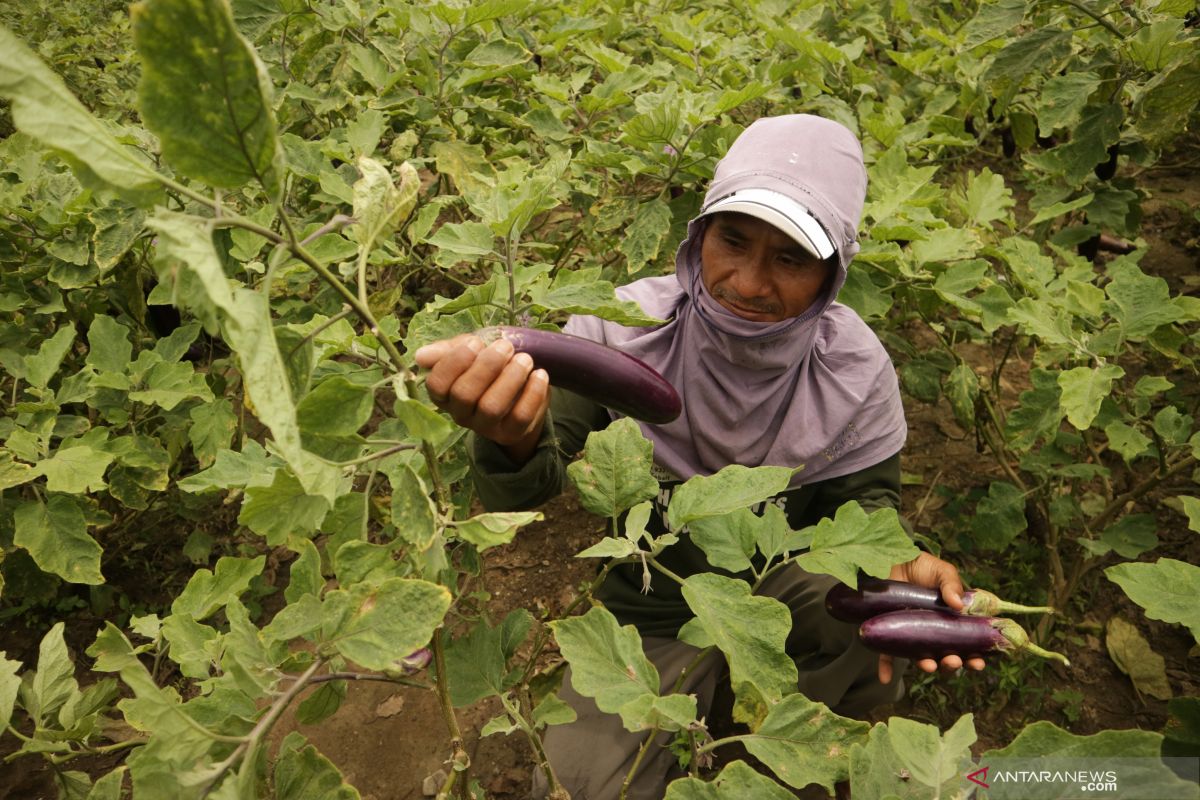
(750, 278)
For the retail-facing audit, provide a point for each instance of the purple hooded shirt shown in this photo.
(816, 391)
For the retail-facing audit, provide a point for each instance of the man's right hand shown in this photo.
(490, 389)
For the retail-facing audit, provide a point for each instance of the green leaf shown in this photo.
(1167, 99)
(281, 510)
(322, 704)
(552, 711)
(732, 488)
(41, 367)
(190, 643)
(209, 590)
(302, 773)
(728, 541)
(756, 653)
(909, 760)
(249, 330)
(109, 786)
(212, 429)
(477, 664)
(55, 534)
(205, 94)
(461, 241)
(14, 473)
(645, 235)
(251, 467)
(109, 348)
(494, 529)
(117, 228)
(1129, 537)
(583, 292)
(614, 473)
(962, 390)
(1126, 440)
(1083, 389)
(305, 576)
(854, 540)
(1191, 507)
(607, 661)
(1166, 590)
(423, 422)
(1173, 426)
(945, 244)
(1138, 302)
(1037, 414)
(413, 511)
(804, 742)
(44, 108)
(169, 384)
(1062, 100)
(376, 626)
(75, 470)
(737, 781)
(10, 683)
(54, 682)
(1133, 655)
(672, 712)
(335, 407)
(999, 517)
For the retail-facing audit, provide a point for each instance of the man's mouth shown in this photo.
(752, 311)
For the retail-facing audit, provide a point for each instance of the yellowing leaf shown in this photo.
(1133, 655)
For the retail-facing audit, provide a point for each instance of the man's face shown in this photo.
(757, 271)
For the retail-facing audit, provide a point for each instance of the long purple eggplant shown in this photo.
(600, 373)
(935, 634)
(876, 596)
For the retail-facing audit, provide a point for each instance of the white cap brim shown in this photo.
(781, 211)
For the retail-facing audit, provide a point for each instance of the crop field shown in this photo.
(240, 551)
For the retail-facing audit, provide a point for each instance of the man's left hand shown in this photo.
(931, 572)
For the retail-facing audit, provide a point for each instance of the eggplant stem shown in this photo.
(1005, 607)
(1039, 651)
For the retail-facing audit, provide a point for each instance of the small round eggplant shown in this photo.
(877, 596)
(935, 634)
(600, 373)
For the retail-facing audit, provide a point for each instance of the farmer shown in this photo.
(771, 370)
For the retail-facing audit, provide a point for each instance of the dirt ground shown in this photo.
(388, 742)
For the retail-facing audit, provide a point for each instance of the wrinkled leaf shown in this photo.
(205, 94)
(614, 473)
(854, 540)
(1133, 655)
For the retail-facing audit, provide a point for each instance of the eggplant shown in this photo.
(935, 634)
(876, 596)
(603, 374)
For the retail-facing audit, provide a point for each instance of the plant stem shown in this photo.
(654, 563)
(368, 676)
(459, 759)
(372, 456)
(637, 761)
(1101, 520)
(246, 751)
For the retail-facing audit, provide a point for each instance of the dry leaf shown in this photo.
(1132, 654)
(391, 706)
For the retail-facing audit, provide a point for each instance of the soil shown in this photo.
(389, 742)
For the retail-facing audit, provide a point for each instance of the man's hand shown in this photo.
(931, 572)
(488, 389)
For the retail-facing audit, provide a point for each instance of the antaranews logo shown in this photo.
(1055, 778)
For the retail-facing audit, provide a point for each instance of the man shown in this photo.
(771, 370)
